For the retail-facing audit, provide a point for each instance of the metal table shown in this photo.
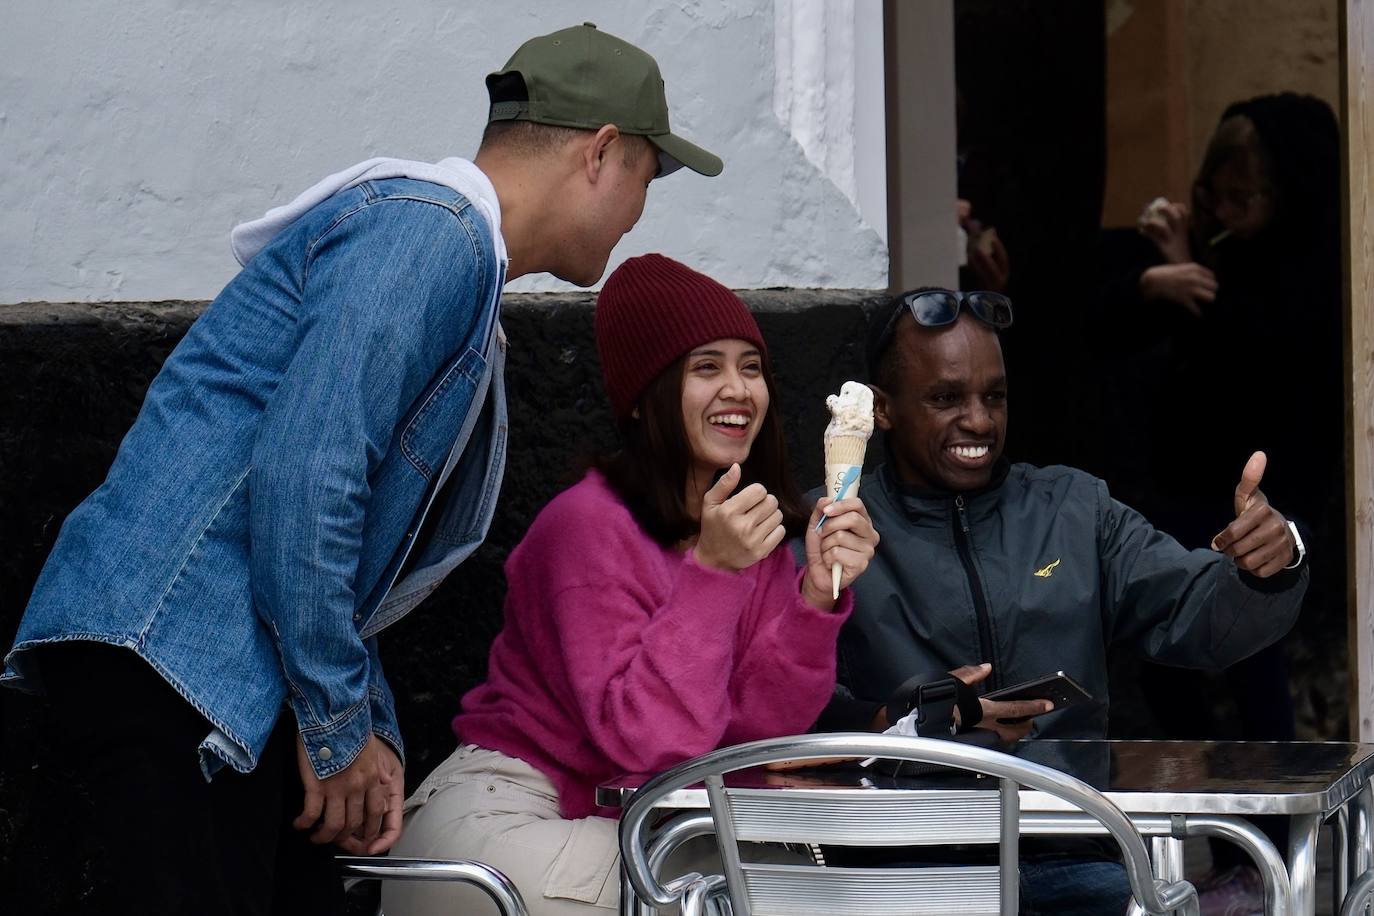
(1171, 789)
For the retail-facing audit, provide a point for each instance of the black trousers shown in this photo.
(160, 838)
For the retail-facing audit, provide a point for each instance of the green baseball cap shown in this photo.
(583, 77)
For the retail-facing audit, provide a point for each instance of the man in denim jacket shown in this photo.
(263, 517)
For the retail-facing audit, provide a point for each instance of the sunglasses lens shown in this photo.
(934, 309)
(994, 308)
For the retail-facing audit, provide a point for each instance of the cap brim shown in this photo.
(675, 152)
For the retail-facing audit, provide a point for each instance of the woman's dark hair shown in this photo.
(649, 473)
(1295, 141)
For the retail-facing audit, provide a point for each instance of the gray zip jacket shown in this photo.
(1043, 571)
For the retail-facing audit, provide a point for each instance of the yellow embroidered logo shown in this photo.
(1047, 571)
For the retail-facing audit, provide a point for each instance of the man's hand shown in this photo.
(1190, 285)
(358, 808)
(737, 531)
(996, 712)
(1259, 540)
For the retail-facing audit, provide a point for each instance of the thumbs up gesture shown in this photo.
(1259, 540)
(737, 530)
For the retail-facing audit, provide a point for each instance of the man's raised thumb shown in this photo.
(1250, 480)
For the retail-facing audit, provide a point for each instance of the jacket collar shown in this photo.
(915, 501)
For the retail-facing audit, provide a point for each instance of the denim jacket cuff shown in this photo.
(333, 746)
(384, 723)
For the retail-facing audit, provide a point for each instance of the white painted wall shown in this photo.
(135, 134)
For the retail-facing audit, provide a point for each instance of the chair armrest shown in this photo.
(497, 886)
(693, 889)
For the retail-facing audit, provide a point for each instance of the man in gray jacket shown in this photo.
(1030, 570)
(1001, 573)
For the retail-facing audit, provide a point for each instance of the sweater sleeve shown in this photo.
(786, 671)
(646, 650)
(1190, 608)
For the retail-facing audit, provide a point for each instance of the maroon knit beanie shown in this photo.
(653, 310)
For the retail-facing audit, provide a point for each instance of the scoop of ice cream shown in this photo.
(851, 411)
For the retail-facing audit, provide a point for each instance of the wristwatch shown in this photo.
(1298, 547)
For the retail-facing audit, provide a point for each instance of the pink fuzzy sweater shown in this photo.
(620, 657)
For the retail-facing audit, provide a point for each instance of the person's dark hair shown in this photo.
(649, 472)
(528, 138)
(1294, 140)
(884, 361)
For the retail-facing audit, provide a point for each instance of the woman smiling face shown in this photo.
(724, 401)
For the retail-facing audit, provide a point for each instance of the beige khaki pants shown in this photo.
(480, 804)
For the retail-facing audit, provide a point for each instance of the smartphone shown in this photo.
(1058, 688)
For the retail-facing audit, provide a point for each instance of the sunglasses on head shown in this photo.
(935, 308)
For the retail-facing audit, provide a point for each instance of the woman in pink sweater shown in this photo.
(652, 614)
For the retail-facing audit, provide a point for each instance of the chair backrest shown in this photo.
(849, 818)
(883, 817)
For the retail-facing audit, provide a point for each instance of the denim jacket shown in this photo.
(256, 528)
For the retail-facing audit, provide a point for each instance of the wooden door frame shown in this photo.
(1357, 243)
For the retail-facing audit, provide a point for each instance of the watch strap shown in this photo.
(1299, 548)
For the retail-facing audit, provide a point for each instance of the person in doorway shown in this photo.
(1259, 235)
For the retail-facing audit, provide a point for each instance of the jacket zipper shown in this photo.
(980, 601)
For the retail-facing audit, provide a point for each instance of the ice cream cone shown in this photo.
(842, 479)
(846, 439)
(845, 450)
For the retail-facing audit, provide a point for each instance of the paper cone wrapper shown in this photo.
(844, 464)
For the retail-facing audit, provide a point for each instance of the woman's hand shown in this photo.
(1190, 285)
(848, 538)
(737, 531)
(1166, 224)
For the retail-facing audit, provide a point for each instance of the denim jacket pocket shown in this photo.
(428, 434)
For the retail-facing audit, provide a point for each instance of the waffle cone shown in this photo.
(845, 450)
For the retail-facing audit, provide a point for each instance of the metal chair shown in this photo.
(496, 885)
(1359, 898)
(858, 818)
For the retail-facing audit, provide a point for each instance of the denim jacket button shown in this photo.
(325, 753)
(357, 617)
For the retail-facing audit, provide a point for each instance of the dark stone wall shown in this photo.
(74, 376)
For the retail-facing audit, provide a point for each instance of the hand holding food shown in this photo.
(1166, 224)
(846, 440)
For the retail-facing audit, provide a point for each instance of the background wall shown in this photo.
(85, 369)
(1242, 48)
(137, 134)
